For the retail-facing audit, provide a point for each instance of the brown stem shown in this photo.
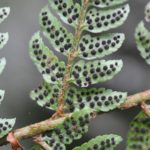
(35, 129)
(14, 142)
(38, 140)
(71, 57)
(136, 99)
(145, 108)
(41, 127)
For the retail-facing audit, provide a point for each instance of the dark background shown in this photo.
(20, 75)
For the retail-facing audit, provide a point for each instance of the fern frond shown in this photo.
(67, 10)
(100, 100)
(46, 95)
(46, 62)
(103, 20)
(88, 73)
(72, 129)
(106, 4)
(3, 39)
(61, 95)
(142, 37)
(4, 12)
(2, 93)
(139, 133)
(108, 142)
(147, 12)
(2, 64)
(87, 46)
(92, 47)
(6, 125)
(54, 31)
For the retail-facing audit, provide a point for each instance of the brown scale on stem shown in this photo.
(71, 57)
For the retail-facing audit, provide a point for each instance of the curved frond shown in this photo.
(142, 37)
(6, 126)
(57, 35)
(72, 129)
(3, 39)
(67, 10)
(88, 73)
(103, 20)
(2, 93)
(100, 100)
(2, 64)
(139, 133)
(92, 47)
(106, 3)
(4, 12)
(46, 62)
(103, 142)
(147, 12)
(46, 95)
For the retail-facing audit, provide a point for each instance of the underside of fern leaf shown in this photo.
(72, 129)
(147, 12)
(142, 36)
(78, 98)
(36, 147)
(6, 125)
(68, 84)
(83, 73)
(46, 62)
(139, 133)
(108, 142)
(103, 20)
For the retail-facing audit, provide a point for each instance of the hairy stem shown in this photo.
(72, 56)
(38, 140)
(136, 99)
(35, 129)
(41, 127)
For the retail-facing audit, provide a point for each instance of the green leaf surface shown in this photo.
(46, 62)
(108, 142)
(6, 126)
(139, 133)
(46, 95)
(2, 64)
(71, 129)
(100, 100)
(103, 20)
(67, 10)
(3, 39)
(4, 12)
(106, 3)
(147, 12)
(36, 147)
(57, 35)
(92, 47)
(76, 99)
(142, 37)
(88, 73)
